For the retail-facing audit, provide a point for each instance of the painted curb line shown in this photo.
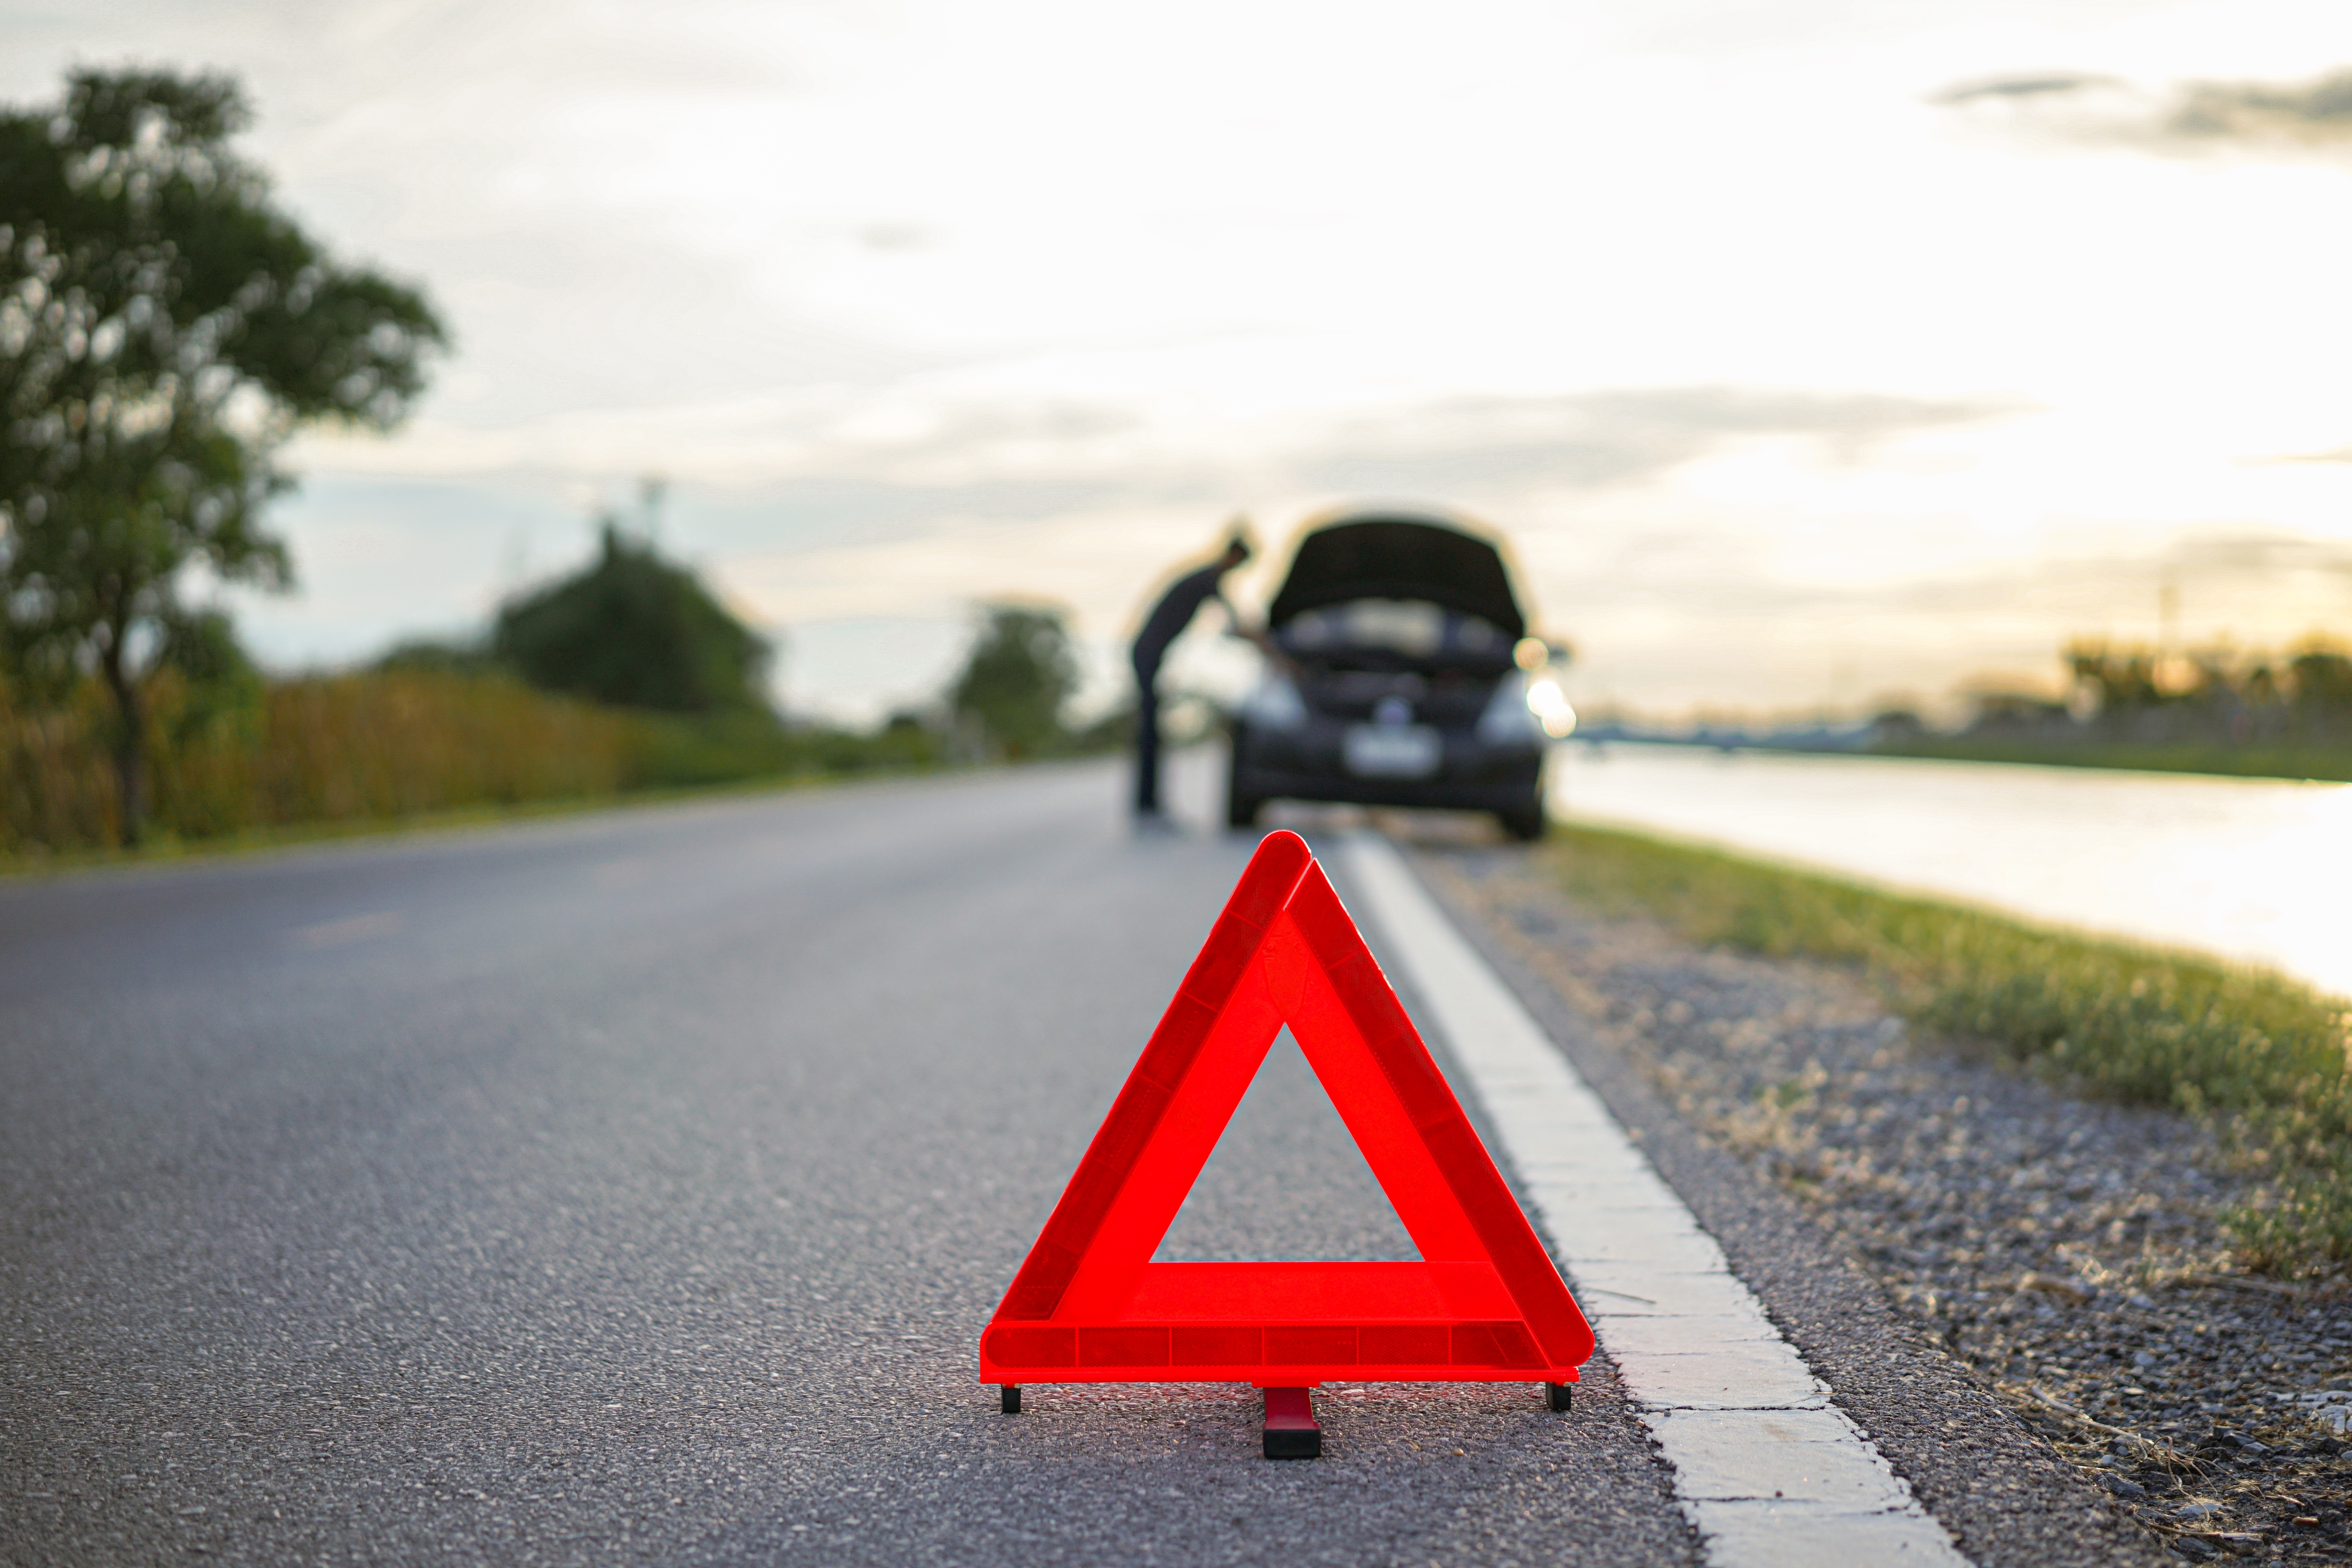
(1767, 1470)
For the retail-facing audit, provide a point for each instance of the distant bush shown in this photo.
(689, 751)
(633, 631)
(1017, 676)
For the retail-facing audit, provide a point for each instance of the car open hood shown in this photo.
(1385, 555)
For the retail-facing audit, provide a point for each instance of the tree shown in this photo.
(2323, 686)
(637, 632)
(163, 329)
(2123, 681)
(1020, 672)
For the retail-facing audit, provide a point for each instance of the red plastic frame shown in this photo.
(1483, 1305)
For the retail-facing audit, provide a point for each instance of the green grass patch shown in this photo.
(2264, 1056)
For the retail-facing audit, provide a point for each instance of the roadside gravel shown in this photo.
(2064, 1253)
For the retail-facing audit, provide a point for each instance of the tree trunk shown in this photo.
(129, 746)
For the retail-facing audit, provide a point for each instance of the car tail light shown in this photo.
(1526, 710)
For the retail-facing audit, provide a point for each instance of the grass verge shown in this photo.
(2269, 1059)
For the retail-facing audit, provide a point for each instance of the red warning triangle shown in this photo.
(1483, 1305)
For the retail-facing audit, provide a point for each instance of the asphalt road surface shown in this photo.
(636, 1187)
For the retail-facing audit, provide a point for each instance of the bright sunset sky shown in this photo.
(1806, 352)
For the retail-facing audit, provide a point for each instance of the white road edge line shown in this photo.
(1766, 1470)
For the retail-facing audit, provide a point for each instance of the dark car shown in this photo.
(1405, 677)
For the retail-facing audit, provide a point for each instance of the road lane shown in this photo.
(637, 1184)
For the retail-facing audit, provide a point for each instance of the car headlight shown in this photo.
(1274, 703)
(1526, 710)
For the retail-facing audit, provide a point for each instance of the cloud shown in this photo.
(2259, 555)
(2318, 111)
(933, 445)
(966, 506)
(1602, 439)
(894, 235)
(2185, 120)
(2019, 86)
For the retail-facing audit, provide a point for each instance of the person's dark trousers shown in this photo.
(1147, 738)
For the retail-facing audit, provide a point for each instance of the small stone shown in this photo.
(2071, 1292)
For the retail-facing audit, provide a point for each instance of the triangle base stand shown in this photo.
(1290, 1429)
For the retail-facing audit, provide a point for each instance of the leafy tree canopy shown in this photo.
(1020, 672)
(634, 631)
(163, 329)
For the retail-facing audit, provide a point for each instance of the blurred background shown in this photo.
(1868, 370)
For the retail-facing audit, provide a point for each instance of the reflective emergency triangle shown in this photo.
(1485, 1304)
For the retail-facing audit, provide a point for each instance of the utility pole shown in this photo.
(651, 490)
(2168, 625)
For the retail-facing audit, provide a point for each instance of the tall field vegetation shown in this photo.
(362, 747)
(2269, 1059)
(435, 729)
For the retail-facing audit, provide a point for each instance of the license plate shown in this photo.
(1392, 751)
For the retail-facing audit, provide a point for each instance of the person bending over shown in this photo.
(1166, 622)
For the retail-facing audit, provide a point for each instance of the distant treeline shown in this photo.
(2217, 710)
(626, 677)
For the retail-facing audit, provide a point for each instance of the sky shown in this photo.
(1807, 353)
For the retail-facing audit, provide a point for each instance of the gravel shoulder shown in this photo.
(2022, 1296)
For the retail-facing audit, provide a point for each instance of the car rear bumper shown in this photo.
(1308, 765)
